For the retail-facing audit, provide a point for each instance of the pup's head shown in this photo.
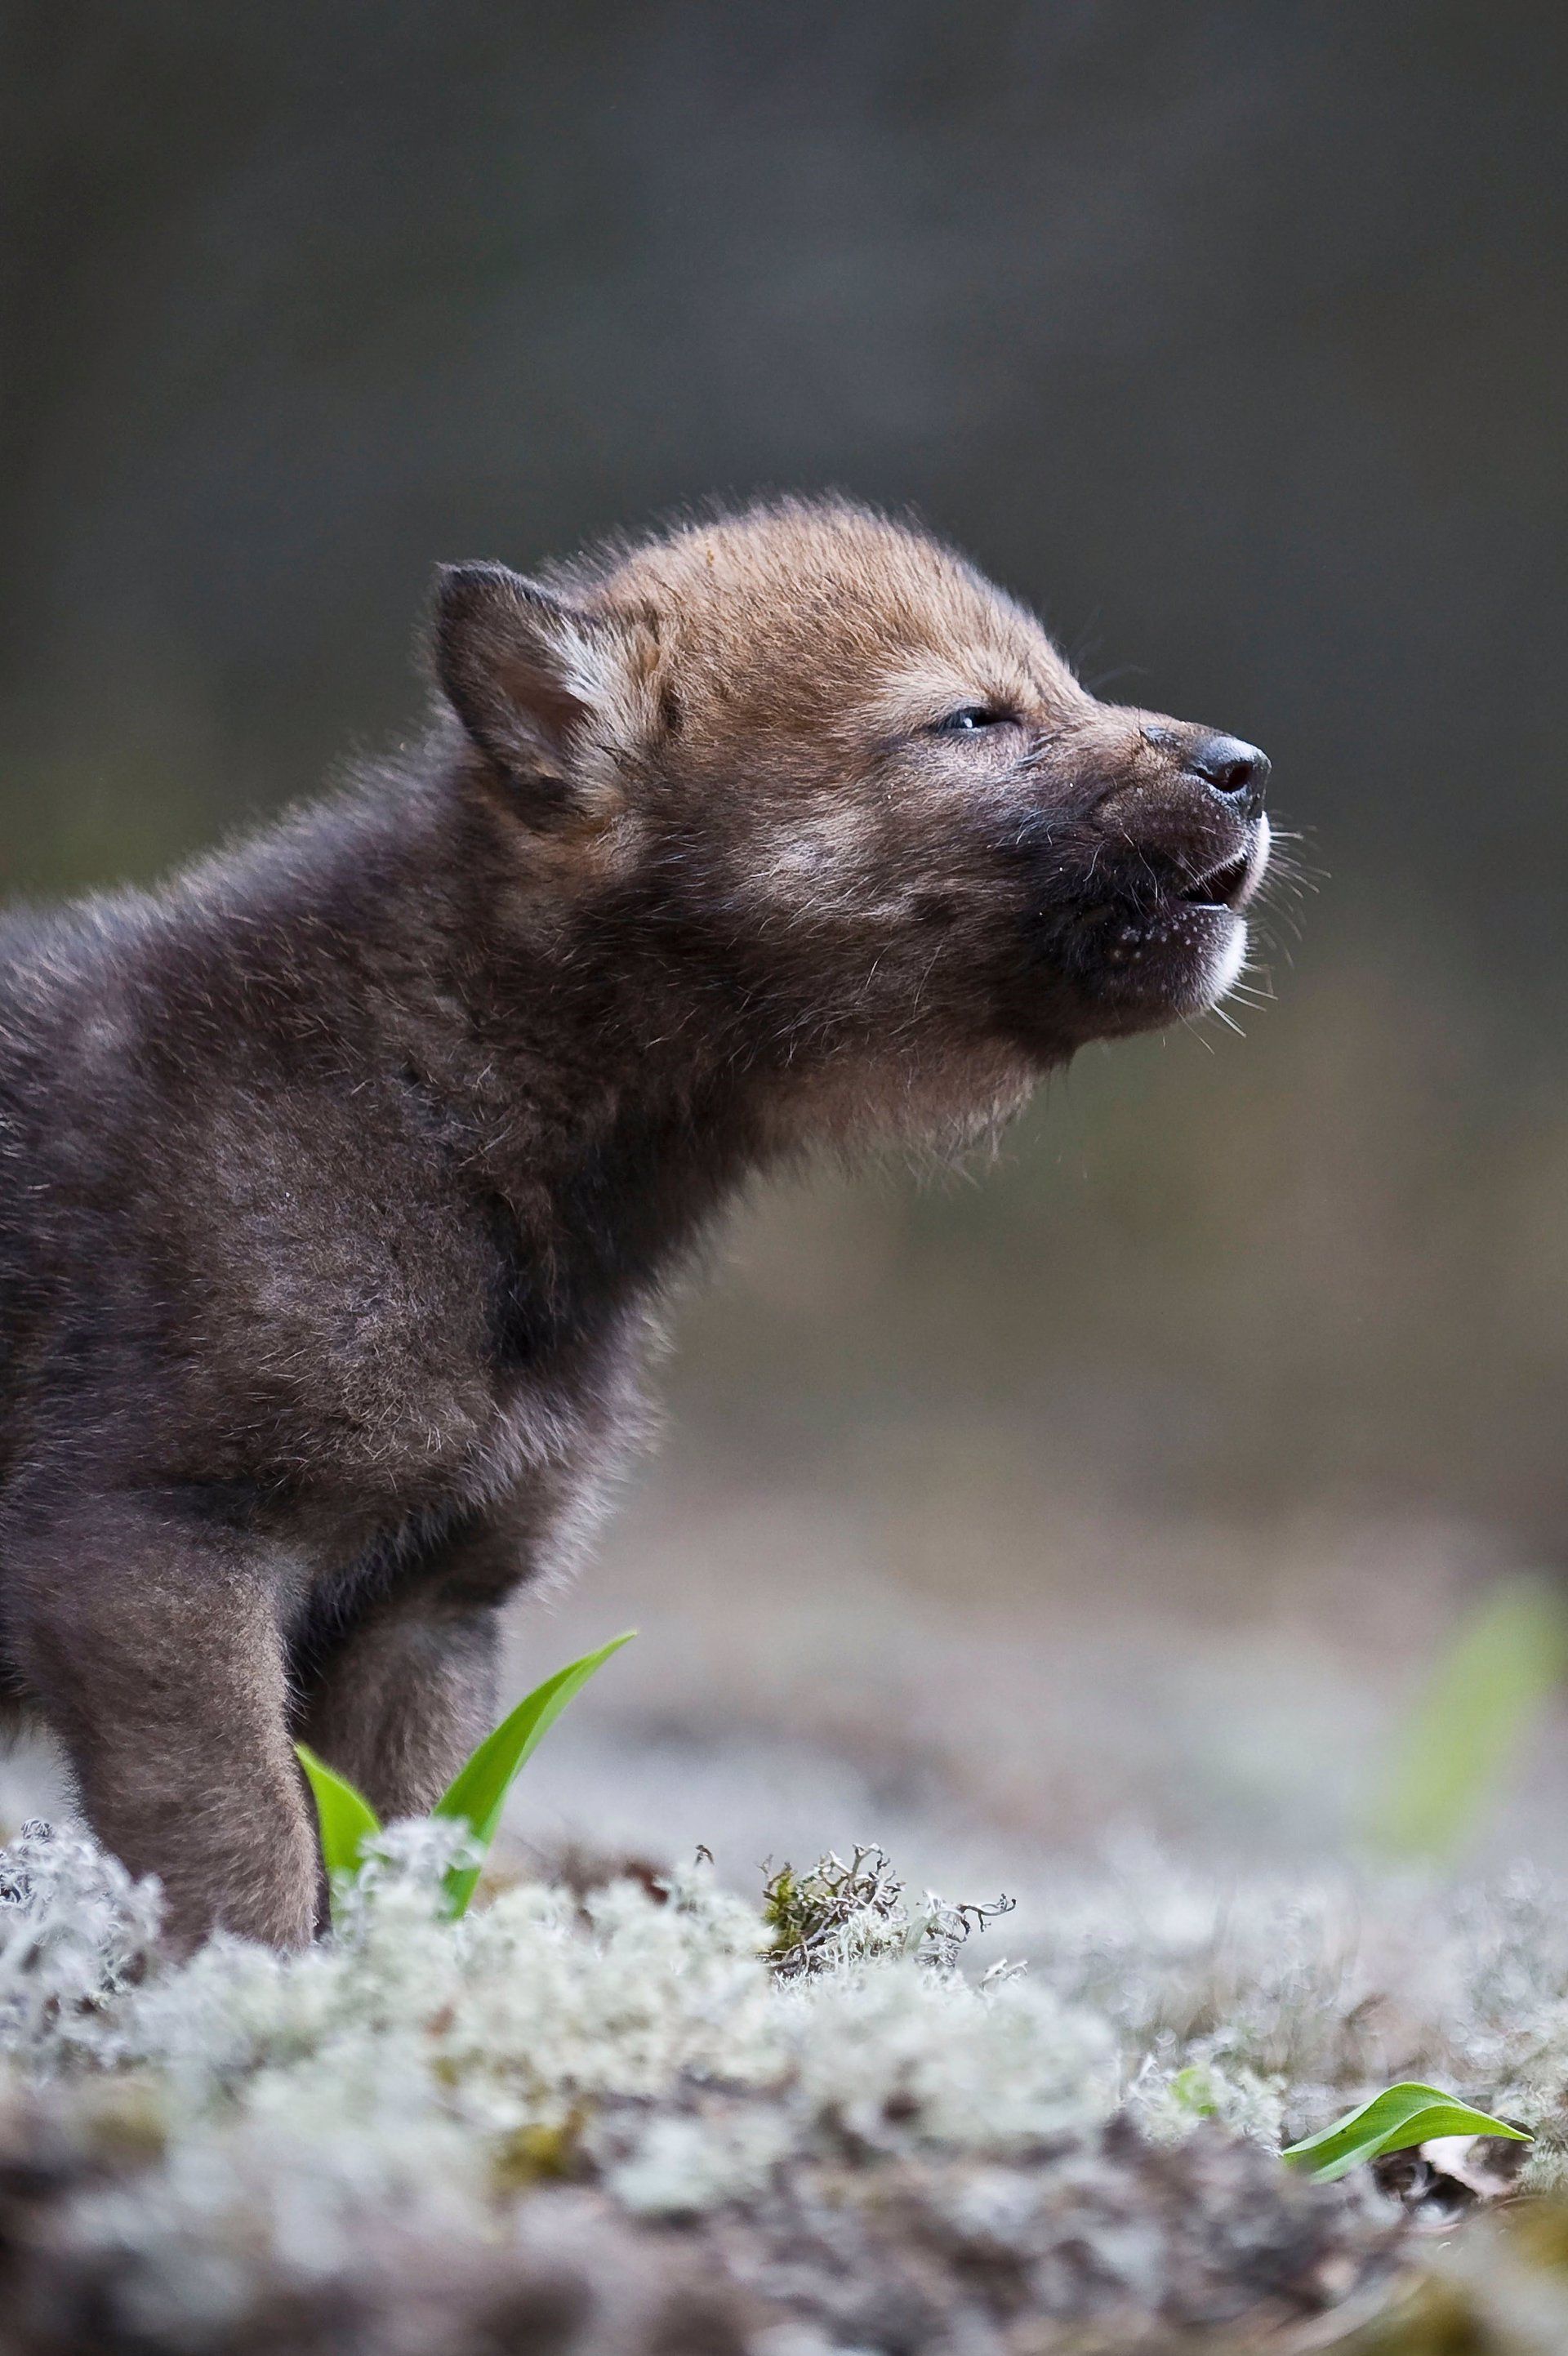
(823, 759)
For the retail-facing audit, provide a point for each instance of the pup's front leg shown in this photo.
(409, 1687)
(403, 1701)
(151, 1636)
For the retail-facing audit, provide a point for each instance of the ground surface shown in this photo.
(607, 2117)
(594, 2120)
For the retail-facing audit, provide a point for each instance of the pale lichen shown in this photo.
(796, 2087)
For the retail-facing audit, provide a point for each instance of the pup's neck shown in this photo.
(612, 1078)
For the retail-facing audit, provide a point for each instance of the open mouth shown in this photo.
(1224, 886)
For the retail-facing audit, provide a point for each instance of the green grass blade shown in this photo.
(478, 1793)
(1380, 2113)
(345, 1817)
(1483, 1699)
(1395, 2120)
(1419, 2127)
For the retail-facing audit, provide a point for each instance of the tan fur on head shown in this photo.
(799, 616)
(748, 720)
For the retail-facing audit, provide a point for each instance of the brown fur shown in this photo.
(339, 1180)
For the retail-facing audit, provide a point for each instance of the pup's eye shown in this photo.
(972, 716)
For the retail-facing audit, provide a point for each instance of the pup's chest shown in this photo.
(550, 1427)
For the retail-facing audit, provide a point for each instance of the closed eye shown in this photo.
(969, 717)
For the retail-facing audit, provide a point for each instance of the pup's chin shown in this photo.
(1127, 963)
(1226, 963)
(1179, 963)
(1185, 957)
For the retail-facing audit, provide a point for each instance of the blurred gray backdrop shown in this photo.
(1231, 334)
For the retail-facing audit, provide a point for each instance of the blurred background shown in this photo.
(1136, 1479)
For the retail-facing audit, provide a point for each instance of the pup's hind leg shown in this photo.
(151, 1637)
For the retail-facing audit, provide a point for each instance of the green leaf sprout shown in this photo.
(475, 1796)
(1395, 2120)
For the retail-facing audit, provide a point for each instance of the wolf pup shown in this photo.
(340, 1179)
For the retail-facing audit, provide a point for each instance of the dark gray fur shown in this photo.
(340, 1179)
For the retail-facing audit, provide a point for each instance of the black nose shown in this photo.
(1233, 768)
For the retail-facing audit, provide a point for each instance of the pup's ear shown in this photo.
(529, 676)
